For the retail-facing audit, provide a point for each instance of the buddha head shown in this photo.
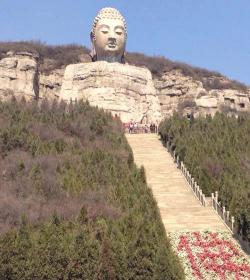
(108, 36)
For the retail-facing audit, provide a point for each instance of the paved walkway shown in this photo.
(179, 208)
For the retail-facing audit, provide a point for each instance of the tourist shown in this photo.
(130, 127)
(135, 127)
(151, 128)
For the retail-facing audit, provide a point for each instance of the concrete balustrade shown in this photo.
(204, 200)
(191, 181)
(180, 209)
(221, 211)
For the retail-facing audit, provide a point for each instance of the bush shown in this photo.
(186, 103)
(217, 153)
(73, 205)
(51, 57)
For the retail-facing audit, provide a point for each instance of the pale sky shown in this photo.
(213, 34)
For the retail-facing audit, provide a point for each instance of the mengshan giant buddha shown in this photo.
(107, 82)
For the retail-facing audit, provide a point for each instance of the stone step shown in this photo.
(179, 208)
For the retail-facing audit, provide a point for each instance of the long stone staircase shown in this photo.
(186, 220)
(179, 208)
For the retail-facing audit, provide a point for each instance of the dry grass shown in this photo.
(52, 161)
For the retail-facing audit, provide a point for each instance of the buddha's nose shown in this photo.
(112, 34)
(112, 40)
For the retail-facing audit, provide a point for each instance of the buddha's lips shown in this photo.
(112, 45)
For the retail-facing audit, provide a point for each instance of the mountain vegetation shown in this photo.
(54, 57)
(216, 151)
(73, 204)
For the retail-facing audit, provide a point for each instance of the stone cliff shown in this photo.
(183, 93)
(134, 93)
(125, 90)
(19, 76)
(50, 84)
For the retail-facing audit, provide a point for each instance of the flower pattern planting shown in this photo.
(209, 255)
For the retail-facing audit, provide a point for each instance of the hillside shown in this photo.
(73, 204)
(36, 70)
(54, 57)
(216, 151)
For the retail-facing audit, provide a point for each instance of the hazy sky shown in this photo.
(214, 34)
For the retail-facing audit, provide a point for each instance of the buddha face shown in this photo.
(109, 38)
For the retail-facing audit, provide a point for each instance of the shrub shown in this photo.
(186, 103)
(73, 205)
(51, 57)
(217, 153)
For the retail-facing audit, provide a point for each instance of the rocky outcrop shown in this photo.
(182, 93)
(173, 87)
(19, 76)
(234, 99)
(125, 90)
(50, 84)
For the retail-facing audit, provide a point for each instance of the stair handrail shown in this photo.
(220, 210)
(191, 181)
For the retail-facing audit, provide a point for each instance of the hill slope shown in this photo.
(54, 57)
(73, 204)
(35, 70)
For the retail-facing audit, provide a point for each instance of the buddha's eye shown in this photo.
(104, 31)
(119, 30)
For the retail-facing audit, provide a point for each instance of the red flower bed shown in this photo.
(211, 256)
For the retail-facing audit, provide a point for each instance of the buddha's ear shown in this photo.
(93, 54)
(92, 37)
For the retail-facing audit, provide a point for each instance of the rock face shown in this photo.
(173, 87)
(19, 76)
(235, 100)
(50, 85)
(182, 93)
(125, 90)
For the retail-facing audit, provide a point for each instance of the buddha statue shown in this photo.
(108, 36)
(124, 90)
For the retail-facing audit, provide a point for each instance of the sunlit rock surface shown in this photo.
(19, 76)
(125, 90)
